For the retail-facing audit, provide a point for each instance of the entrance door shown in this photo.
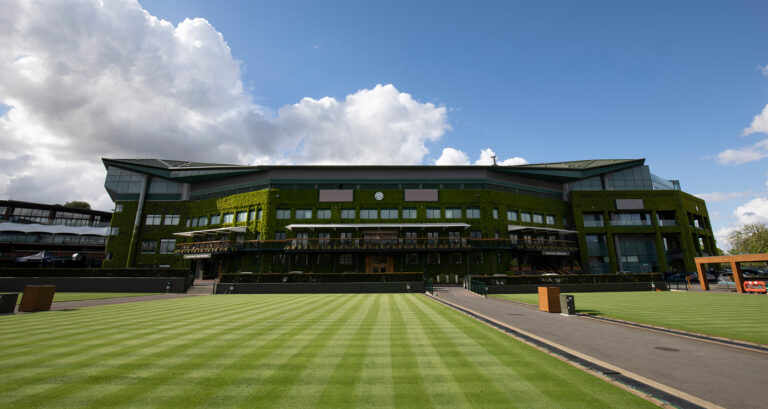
(379, 264)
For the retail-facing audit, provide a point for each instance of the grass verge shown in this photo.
(59, 297)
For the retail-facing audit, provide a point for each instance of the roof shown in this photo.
(222, 230)
(377, 225)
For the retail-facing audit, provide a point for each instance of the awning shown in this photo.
(378, 226)
(199, 255)
(515, 227)
(223, 230)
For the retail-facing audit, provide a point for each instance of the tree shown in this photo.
(749, 239)
(78, 205)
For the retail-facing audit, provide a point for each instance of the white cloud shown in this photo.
(86, 79)
(759, 123)
(746, 154)
(451, 156)
(721, 237)
(715, 197)
(486, 158)
(754, 211)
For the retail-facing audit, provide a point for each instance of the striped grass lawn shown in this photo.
(282, 351)
(59, 297)
(730, 315)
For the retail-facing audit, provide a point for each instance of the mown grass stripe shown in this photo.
(375, 388)
(409, 384)
(340, 390)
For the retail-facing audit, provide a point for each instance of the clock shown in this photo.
(379, 196)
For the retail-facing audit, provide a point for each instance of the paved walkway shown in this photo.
(726, 376)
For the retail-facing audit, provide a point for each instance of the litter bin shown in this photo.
(37, 298)
(8, 303)
(567, 304)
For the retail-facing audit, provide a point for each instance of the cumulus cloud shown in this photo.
(85, 79)
(754, 211)
(451, 156)
(716, 197)
(746, 154)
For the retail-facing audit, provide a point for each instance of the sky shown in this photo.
(682, 84)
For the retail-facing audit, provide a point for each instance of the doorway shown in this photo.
(379, 264)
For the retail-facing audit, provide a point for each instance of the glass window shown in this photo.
(433, 258)
(495, 213)
(409, 213)
(324, 214)
(454, 237)
(389, 213)
(347, 213)
(324, 239)
(114, 231)
(432, 238)
(302, 214)
(118, 208)
(194, 222)
(189, 222)
(278, 259)
(473, 213)
(283, 214)
(280, 235)
(252, 215)
(171, 219)
(565, 221)
(148, 246)
(242, 217)
(411, 258)
(525, 217)
(215, 218)
(433, 213)
(512, 215)
(167, 246)
(453, 213)
(475, 234)
(202, 221)
(369, 213)
(538, 218)
(477, 258)
(454, 258)
(154, 219)
(228, 218)
(302, 239)
(258, 214)
(550, 219)
(345, 259)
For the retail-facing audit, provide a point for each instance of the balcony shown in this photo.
(630, 222)
(376, 245)
(593, 223)
(667, 222)
(55, 222)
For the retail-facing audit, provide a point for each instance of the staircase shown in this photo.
(201, 287)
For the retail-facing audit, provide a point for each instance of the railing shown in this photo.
(667, 222)
(630, 222)
(429, 286)
(53, 222)
(402, 244)
(593, 223)
(478, 287)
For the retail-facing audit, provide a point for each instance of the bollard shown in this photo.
(567, 305)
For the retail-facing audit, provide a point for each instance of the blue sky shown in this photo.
(673, 82)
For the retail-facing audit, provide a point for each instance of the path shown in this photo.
(715, 373)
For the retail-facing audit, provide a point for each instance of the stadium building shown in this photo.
(598, 216)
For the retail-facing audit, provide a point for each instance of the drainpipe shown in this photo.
(137, 224)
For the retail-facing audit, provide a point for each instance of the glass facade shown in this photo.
(636, 253)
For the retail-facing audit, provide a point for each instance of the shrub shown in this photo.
(321, 278)
(94, 272)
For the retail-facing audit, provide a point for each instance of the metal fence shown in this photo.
(429, 286)
(478, 287)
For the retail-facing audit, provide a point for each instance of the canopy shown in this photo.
(515, 227)
(377, 226)
(223, 230)
(40, 257)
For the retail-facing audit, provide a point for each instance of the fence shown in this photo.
(478, 287)
(429, 286)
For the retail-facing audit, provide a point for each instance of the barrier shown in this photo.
(755, 287)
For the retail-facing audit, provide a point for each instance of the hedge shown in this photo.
(321, 278)
(571, 279)
(94, 272)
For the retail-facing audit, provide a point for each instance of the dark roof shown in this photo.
(45, 206)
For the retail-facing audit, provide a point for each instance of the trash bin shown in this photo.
(548, 299)
(567, 304)
(8, 303)
(37, 298)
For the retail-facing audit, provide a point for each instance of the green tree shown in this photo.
(78, 205)
(750, 238)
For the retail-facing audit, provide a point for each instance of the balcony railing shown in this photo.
(630, 222)
(403, 244)
(667, 222)
(593, 223)
(53, 222)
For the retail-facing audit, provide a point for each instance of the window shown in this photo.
(228, 218)
(301, 260)
(475, 234)
(303, 214)
(411, 258)
(410, 238)
(118, 208)
(215, 218)
(346, 238)
(432, 238)
(512, 215)
(167, 246)
(154, 219)
(242, 217)
(345, 259)
(189, 222)
(251, 215)
(172, 219)
(283, 214)
(454, 258)
(324, 214)
(409, 213)
(202, 221)
(278, 259)
(108, 256)
(389, 213)
(593, 220)
(495, 213)
(258, 214)
(369, 213)
(324, 259)
(280, 235)
(194, 222)
(538, 218)
(324, 239)
(525, 217)
(433, 213)
(433, 258)
(302, 239)
(477, 258)
(347, 213)
(565, 221)
(454, 238)
(114, 231)
(148, 246)
(473, 213)
(453, 213)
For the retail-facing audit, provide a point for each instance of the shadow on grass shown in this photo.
(588, 312)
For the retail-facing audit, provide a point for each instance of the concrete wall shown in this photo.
(280, 288)
(574, 288)
(97, 284)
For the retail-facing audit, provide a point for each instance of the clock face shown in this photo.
(378, 196)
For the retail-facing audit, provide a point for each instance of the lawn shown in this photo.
(310, 350)
(58, 297)
(730, 315)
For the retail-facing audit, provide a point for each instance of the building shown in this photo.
(599, 216)
(29, 228)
